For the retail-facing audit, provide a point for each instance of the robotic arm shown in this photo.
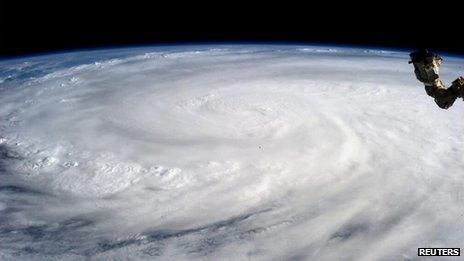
(426, 68)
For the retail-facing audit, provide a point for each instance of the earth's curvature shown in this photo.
(227, 153)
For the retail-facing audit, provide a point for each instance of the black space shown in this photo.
(38, 29)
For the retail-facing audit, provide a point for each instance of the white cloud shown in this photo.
(229, 152)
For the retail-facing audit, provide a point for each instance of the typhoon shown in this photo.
(228, 152)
